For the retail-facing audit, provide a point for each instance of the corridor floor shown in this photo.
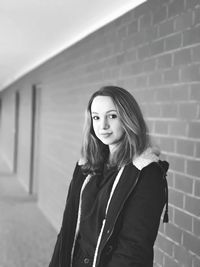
(26, 237)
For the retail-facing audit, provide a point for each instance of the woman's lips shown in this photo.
(105, 134)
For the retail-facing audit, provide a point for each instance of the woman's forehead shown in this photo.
(102, 104)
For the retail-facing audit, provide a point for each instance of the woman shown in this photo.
(118, 190)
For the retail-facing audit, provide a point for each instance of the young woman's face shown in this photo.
(106, 123)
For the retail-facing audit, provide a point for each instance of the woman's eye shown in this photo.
(113, 116)
(95, 118)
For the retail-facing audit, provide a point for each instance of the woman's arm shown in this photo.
(140, 221)
(57, 249)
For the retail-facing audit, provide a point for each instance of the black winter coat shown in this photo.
(132, 219)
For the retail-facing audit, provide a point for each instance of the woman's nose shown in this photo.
(104, 123)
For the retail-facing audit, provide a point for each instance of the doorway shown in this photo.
(35, 125)
(16, 131)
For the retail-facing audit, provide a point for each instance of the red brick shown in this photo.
(158, 257)
(129, 83)
(122, 32)
(143, 51)
(141, 81)
(183, 183)
(196, 262)
(106, 52)
(145, 21)
(185, 147)
(194, 130)
(141, 10)
(177, 163)
(178, 128)
(192, 205)
(165, 245)
(171, 76)
(138, 39)
(169, 261)
(163, 94)
(175, 8)
(150, 125)
(176, 199)
(155, 79)
(192, 3)
(171, 213)
(193, 167)
(136, 68)
(133, 27)
(190, 73)
(153, 110)
(148, 96)
(170, 111)
(150, 34)
(197, 188)
(161, 227)
(166, 28)
(183, 220)
(120, 59)
(159, 14)
(161, 127)
(183, 256)
(197, 15)
(173, 42)
(126, 70)
(157, 47)
(196, 227)
(180, 92)
(167, 143)
(184, 21)
(149, 65)
(170, 177)
(182, 57)
(118, 47)
(191, 36)
(188, 111)
(196, 53)
(164, 61)
(173, 232)
(123, 19)
(155, 4)
(131, 55)
(195, 92)
(129, 43)
(191, 243)
(197, 150)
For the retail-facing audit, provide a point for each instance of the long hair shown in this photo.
(135, 139)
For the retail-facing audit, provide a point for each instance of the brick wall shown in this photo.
(153, 51)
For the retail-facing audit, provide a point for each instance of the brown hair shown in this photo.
(135, 139)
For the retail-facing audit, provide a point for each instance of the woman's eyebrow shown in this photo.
(94, 112)
(111, 110)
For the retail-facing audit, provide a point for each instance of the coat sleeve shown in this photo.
(55, 257)
(140, 222)
(56, 252)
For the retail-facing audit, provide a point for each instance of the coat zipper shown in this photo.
(104, 222)
(111, 232)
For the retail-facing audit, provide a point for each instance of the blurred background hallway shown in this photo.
(26, 236)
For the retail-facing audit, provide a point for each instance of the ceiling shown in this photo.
(34, 30)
